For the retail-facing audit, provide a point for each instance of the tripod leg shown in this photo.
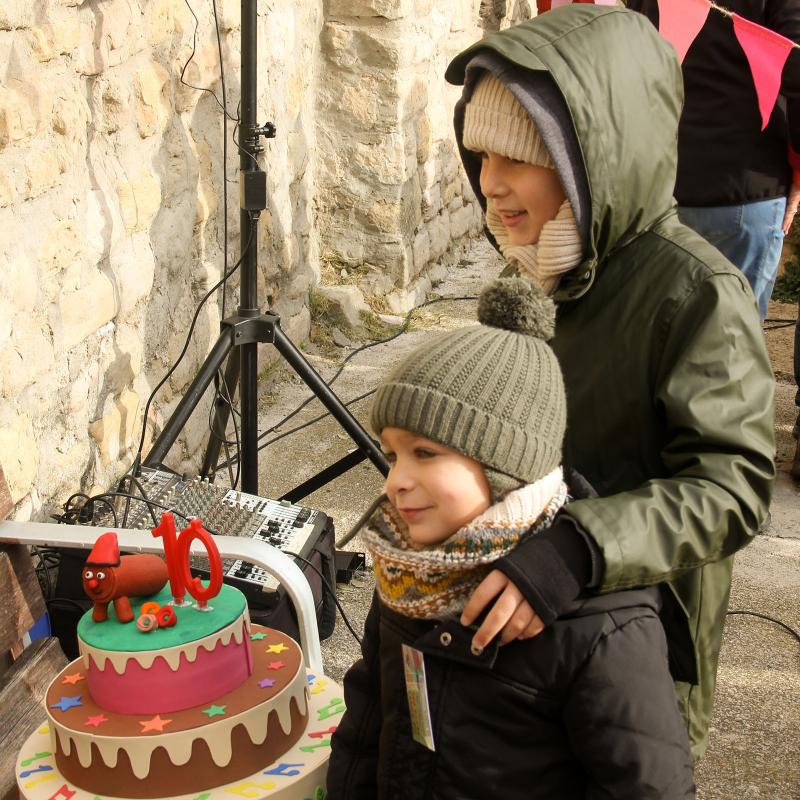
(221, 417)
(188, 403)
(324, 394)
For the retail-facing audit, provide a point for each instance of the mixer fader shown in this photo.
(290, 528)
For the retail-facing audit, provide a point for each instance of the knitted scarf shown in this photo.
(558, 250)
(431, 582)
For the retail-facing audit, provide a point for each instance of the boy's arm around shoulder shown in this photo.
(353, 767)
(622, 716)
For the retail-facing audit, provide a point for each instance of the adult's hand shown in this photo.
(511, 616)
(792, 202)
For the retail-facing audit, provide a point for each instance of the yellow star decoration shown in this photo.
(276, 648)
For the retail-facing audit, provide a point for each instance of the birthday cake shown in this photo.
(179, 699)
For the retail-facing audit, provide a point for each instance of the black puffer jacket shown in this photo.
(587, 709)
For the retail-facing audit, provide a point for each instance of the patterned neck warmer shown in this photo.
(558, 250)
(432, 582)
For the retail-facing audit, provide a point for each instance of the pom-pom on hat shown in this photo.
(493, 392)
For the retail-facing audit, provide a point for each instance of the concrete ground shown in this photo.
(754, 749)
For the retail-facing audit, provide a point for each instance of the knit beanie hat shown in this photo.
(495, 120)
(493, 392)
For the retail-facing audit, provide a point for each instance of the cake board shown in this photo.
(298, 775)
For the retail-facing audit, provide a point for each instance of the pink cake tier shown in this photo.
(167, 754)
(206, 654)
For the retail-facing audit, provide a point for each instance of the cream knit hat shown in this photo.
(495, 120)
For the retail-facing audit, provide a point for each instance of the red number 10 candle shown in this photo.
(176, 552)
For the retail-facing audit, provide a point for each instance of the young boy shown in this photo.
(567, 128)
(472, 425)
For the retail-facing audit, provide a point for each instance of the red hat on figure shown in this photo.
(105, 552)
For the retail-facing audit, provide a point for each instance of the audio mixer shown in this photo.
(292, 529)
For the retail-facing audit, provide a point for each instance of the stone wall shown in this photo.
(112, 201)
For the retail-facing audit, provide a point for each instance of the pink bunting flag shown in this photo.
(766, 53)
(679, 22)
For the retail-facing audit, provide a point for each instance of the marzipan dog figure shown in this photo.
(108, 576)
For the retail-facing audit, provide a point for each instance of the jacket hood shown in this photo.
(623, 91)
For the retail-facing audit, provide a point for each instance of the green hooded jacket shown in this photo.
(669, 388)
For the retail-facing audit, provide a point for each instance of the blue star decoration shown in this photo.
(66, 703)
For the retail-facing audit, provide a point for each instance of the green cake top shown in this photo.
(192, 623)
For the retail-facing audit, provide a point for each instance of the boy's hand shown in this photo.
(512, 615)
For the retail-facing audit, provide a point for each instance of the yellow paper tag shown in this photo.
(417, 692)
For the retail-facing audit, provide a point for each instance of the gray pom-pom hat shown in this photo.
(493, 392)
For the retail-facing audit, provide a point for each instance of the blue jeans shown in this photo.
(750, 236)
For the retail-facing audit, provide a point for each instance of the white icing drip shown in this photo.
(172, 655)
(217, 734)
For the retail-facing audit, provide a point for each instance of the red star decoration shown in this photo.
(155, 724)
(73, 679)
(275, 665)
(95, 721)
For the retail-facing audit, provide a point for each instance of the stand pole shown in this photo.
(248, 296)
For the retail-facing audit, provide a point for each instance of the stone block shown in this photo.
(139, 201)
(422, 250)
(71, 115)
(134, 266)
(19, 453)
(16, 14)
(58, 38)
(152, 103)
(42, 172)
(439, 230)
(18, 114)
(162, 20)
(451, 191)
(431, 202)
(346, 304)
(385, 216)
(424, 138)
(461, 222)
(336, 45)
(8, 192)
(27, 355)
(114, 431)
(388, 9)
(61, 251)
(83, 311)
(112, 103)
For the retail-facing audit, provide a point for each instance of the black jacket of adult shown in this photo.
(586, 709)
(724, 158)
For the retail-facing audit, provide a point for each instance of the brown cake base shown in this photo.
(199, 773)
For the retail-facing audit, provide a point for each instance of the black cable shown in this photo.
(224, 153)
(135, 481)
(330, 591)
(403, 329)
(768, 618)
(316, 419)
(191, 56)
(219, 378)
(188, 339)
(88, 506)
